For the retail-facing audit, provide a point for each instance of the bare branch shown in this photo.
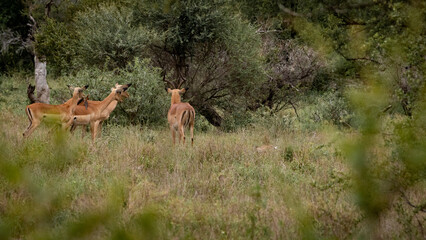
(47, 8)
(421, 207)
(295, 110)
(357, 59)
(290, 12)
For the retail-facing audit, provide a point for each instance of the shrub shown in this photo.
(334, 108)
(148, 102)
(108, 38)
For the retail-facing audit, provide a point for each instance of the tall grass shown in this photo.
(134, 184)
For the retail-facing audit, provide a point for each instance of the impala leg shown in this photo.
(100, 129)
(83, 130)
(173, 135)
(191, 129)
(178, 135)
(93, 129)
(181, 135)
(67, 125)
(72, 129)
(30, 118)
(29, 126)
(33, 125)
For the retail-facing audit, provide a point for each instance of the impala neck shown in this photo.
(72, 103)
(175, 98)
(104, 103)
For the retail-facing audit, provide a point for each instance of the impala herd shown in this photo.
(79, 111)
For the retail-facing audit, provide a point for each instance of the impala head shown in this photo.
(124, 93)
(118, 96)
(78, 91)
(124, 87)
(121, 91)
(176, 93)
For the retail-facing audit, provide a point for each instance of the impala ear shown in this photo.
(116, 85)
(183, 90)
(127, 86)
(168, 90)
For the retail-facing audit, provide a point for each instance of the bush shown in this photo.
(148, 102)
(236, 120)
(108, 38)
(57, 43)
(334, 108)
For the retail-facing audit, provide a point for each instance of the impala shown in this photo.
(36, 112)
(266, 148)
(180, 115)
(94, 112)
(80, 110)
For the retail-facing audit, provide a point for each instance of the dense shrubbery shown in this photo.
(333, 107)
(148, 102)
(108, 38)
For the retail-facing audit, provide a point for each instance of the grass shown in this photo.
(133, 184)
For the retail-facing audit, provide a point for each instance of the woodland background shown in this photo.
(338, 86)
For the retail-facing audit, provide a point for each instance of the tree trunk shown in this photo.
(210, 114)
(40, 81)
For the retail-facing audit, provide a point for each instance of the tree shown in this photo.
(208, 49)
(107, 37)
(10, 37)
(291, 70)
(13, 32)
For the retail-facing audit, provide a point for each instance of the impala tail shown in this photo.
(188, 117)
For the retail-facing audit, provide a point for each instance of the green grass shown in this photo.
(134, 184)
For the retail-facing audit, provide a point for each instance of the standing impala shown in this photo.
(93, 113)
(81, 110)
(36, 112)
(180, 115)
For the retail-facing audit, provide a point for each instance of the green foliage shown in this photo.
(237, 120)
(334, 108)
(289, 154)
(243, 47)
(381, 177)
(107, 37)
(57, 42)
(192, 23)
